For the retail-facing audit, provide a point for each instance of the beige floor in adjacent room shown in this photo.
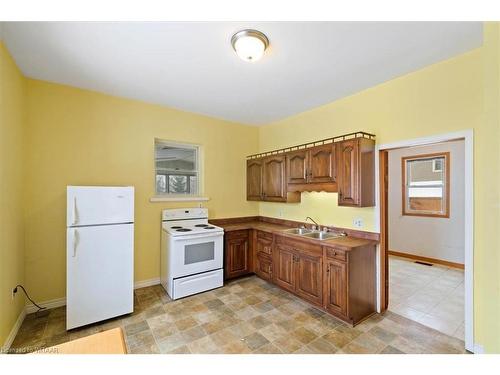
(432, 296)
(248, 315)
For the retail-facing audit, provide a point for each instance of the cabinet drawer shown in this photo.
(264, 267)
(264, 235)
(302, 246)
(243, 233)
(336, 254)
(264, 246)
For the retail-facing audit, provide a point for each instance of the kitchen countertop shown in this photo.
(344, 243)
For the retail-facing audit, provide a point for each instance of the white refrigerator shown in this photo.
(99, 253)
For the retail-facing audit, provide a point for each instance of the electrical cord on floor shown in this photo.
(40, 308)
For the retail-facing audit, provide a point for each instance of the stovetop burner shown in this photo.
(201, 225)
(209, 227)
(176, 227)
(183, 230)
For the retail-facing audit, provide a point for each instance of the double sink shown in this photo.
(309, 233)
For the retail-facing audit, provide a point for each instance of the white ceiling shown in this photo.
(192, 67)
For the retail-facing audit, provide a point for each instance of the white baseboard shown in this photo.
(145, 283)
(58, 302)
(50, 304)
(13, 332)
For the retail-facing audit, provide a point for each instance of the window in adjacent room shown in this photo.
(426, 185)
(177, 168)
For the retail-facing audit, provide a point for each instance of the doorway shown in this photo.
(401, 263)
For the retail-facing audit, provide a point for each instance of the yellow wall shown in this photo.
(460, 93)
(78, 137)
(440, 98)
(74, 136)
(11, 204)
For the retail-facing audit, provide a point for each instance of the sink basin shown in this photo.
(304, 232)
(321, 235)
(299, 231)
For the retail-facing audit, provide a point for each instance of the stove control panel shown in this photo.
(184, 213)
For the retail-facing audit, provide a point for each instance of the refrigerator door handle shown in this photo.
(76, 239)
(75, 213)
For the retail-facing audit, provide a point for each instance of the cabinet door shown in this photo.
(284, 274)
(254, 180)
(264, 267)
(336, 287)
(348, 173)
(274, 184)
(237, 254)
(297, 167)
(264, 246)
(322, 164)
(309, 278)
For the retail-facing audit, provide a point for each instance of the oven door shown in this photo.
(195, 254)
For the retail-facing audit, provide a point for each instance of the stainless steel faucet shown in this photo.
(316, 226)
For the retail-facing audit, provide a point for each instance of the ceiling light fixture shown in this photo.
(249, 44)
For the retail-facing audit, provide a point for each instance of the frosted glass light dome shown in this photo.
(249, 45)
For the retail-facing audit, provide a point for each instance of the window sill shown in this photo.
(159, 198)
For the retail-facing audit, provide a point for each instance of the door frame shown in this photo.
(381, 225)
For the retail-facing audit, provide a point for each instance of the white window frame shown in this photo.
(159, 196)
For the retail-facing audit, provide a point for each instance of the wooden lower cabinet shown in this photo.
(350, 283)
(264, 267)
(309, 279)
(284, 260)
(341, 281)
(299, 269)
(263, 251)
(264, 243)
(237, 254)
(335, 298)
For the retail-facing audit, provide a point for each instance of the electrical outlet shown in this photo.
(281, 212)
(358, 222)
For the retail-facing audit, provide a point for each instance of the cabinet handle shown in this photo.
(328, 269)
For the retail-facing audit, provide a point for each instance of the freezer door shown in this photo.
(91, 205)
(100, 273)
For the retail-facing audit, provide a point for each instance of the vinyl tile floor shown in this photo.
(430, 295)
(247, 315)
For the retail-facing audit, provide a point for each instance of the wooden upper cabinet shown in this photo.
(346, 167)
(274, 187)
(348, 176)
(312, 169)
(322, 166)
(297, 165)
(356, 172)
(254, 180)
(266, 180)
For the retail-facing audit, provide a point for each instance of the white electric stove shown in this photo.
(191, 252)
